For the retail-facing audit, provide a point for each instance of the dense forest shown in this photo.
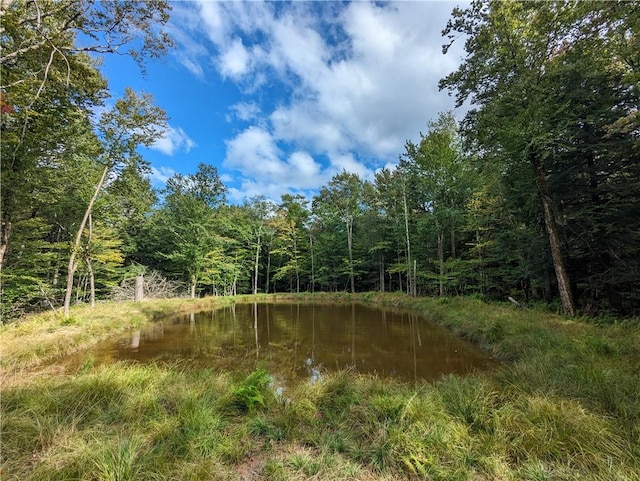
(534, 195)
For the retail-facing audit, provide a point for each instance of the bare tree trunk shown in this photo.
(255, 270)
(441, 259)
(193, 287)
(138, 292)
(71, 267)
(92, 284)
(313, 270)
(350, 246)
(295, 257)
(81, 289)
(266, 284)
(410, 281)
(92, 279)
(381, 273)
(562, 276)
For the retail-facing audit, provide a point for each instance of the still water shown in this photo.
(298, 341)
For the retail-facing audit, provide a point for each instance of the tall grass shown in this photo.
(149, 422)
(563, 406)
(547, 353)
(45, 336)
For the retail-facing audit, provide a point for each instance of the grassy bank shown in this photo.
(42, 337)
(564, 406)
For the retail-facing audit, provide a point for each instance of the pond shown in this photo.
(298, 341)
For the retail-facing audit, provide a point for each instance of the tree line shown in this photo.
(535, 195)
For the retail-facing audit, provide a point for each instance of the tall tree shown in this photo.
(186, 228)
(41, 135)
(343, 198)
(289, 224)
(517, 58)
(49, 88)
(48, 78)
(260, 210)
(442, 183)
(133, 122)
(127, 204)
(390, 190)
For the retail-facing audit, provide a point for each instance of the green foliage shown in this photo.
(253, 392)
(548, 151)
(185, 230)
(549, 82)
(342, 200)
(52, 155)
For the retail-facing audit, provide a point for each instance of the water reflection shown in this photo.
(297, 341)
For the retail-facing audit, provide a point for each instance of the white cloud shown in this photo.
(265, 168)
(253, 149)
(181, 27)
(304, 165)
(245, 111)
(234, 62)
(349, 163)
(191, 65)
(160, 175)
(175, 139)
(354, 81)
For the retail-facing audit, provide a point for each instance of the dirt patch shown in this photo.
(251, 467)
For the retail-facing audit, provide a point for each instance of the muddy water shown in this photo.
(298, 341)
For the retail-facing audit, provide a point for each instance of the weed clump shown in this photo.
(251, 393)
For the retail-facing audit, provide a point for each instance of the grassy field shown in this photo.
(564, 406)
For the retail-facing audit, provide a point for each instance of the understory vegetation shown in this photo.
(563, 405)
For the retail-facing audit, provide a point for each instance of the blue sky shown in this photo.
(281, 96)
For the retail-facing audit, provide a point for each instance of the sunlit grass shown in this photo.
(563, 406)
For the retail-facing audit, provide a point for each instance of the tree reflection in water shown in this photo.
(301, 341)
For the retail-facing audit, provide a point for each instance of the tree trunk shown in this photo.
(562, 276)
(4, 240)
(410, 281)
(381, 273)
(350, 246)
(92, 279)
(441, 259)
(266, 284)
(138, 293)
(313, 269)
(255, 270)
(92, 284)
(71, 267)
(453, 240)
(193, 287)
(295, 258)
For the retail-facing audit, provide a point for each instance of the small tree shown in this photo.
(133, 122)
